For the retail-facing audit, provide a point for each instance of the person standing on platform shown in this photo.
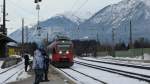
(38, 65)
(46, 65)
(26, 61)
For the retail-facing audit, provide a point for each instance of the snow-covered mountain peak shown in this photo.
(71, 17)
(119, 15)
(147, 2)
(132, 3)
(125, 9)
(59, 23)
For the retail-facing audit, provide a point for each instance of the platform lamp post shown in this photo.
(38, 14)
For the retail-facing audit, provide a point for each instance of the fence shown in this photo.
(127, 53)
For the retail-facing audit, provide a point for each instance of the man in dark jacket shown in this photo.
(26, 61)
(46, 65)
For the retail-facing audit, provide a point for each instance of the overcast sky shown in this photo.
(18, 9)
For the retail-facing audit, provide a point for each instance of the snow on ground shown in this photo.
(1, 62)
(81, 78)
(146, 57)
(13, 74)
(21, 75)
(5, 69)
(123, 68)
(137, 60)
(120, 61)
(5, 76)
(107, 77)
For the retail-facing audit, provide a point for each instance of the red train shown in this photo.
(60, 52)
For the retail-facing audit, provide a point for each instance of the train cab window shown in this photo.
(63, 47)
(53, 51)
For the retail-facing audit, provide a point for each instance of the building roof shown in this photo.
(6, 38)
(12, 44)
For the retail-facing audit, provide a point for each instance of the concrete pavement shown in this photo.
(54, 76)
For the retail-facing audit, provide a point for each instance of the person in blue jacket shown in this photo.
(38, 65)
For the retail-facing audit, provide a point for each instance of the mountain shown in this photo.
(100, 25)
(64, 24)
(118, 16)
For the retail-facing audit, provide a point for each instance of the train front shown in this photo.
(62, 53)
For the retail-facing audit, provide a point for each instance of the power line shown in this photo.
(74, 4)
(82, 5)
(20, 7)
(14, 9)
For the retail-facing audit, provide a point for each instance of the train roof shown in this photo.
(60, 42)
(61, 38)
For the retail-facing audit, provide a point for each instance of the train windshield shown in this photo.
(63, 47)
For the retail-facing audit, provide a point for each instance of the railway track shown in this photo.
(9, 74)
(121, 64)
(117, 71)
(68, 74)
(76, 71)
(4, 82)
(129, 60)
(11, 68)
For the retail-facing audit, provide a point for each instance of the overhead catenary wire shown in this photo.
(16, 5)
(78, 9)
(81, 6)
(23, 11)
(14, 10)
(74, 4)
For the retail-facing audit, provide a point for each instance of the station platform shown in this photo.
(54, 77)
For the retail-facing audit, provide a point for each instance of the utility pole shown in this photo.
(97, 38)
(142, 45)
(4, 18)
(131, 45)
(113, 40)
(47, 39)
(97, 44)
(131, 42)
(113, 35)
(26, 41)
(26, 34)
(78, 30)
(22, 37)
(4, 31)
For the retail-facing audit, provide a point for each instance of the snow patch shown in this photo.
(146, 56)
(23, 75)
(1, 62)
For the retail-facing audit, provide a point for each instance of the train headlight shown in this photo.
(67, 52)
(60, 52)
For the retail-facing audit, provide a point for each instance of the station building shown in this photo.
(5, 50)
(13, 49)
